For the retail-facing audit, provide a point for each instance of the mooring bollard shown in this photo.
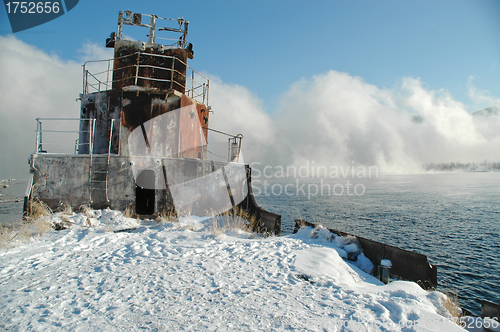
(383, 270)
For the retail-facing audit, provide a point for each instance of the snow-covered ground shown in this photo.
(199, 274)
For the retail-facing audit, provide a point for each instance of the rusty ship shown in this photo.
(142, 136)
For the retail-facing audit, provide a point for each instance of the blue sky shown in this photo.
(266, 46)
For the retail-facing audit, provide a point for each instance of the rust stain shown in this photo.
(150, 68)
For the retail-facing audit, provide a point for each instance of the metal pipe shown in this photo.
(172, 74)
(107, 74)
(109, 151)
(223, 133)
(137, 67)
(84, 80)
(38, 147)
(383, 272)
(152, 29)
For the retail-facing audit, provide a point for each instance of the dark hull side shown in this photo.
(406, 265)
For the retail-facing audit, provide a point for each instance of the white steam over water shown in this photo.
(337, 119)
(329, 119)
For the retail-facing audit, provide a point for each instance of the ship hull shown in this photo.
(165, 186)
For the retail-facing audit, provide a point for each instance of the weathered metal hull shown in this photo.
(66, 180)
(406, 264)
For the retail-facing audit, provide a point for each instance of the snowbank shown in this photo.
(109, 272)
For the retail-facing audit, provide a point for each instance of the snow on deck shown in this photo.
(190, 275)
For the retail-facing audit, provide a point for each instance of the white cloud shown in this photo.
(481, 98)
(33, 84)
(238, 111)
(93, 51)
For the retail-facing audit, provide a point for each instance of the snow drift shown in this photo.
(107, 271)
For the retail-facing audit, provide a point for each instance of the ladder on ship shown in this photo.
(99, 171)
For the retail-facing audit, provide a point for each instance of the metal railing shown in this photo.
(160, 68)
(233, 146)
(98, 178)
(233, 142)
(57, 143)
(150, 21)
(61, 136)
